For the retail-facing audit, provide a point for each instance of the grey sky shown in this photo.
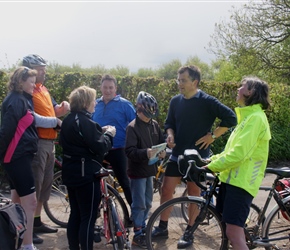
(131, 34)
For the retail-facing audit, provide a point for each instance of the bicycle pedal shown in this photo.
(97, 237)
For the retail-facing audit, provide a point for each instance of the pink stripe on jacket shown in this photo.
(23, 124)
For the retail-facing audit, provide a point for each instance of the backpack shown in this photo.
(12, 226)
(283, 187)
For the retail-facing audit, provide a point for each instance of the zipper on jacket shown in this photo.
(83, 167)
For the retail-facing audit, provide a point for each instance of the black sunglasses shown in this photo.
(25, 72)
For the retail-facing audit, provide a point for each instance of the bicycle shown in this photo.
(57, 207)
(158, 178)
(209, 230)
(113, 229)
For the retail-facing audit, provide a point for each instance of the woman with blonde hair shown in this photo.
(18, 142)
(84, 145)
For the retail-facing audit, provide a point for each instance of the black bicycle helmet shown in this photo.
(33, 60)
(147, 104)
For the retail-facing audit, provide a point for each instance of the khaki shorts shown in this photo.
(43, 169)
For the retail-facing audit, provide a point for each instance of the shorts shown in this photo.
(234, 204)
(20, 175)
(43, 169)
(172, 169)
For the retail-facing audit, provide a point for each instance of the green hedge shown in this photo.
(60, 85)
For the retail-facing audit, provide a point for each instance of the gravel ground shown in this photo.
(58, 241)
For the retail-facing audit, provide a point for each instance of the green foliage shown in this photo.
(168, 70)
(256, 40)
(146, 72)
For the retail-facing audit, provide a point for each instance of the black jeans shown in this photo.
(84, 202)
(118, 161)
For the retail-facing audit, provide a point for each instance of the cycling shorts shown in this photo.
(20, 175)
(234, 204)
(172, 169)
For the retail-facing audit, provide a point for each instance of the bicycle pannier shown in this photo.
(12, 226)
(283, 187)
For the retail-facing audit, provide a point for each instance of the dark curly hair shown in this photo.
(259, 93)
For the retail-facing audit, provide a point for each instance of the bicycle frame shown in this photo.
(110, 213)
(253, 237)
(280, 203)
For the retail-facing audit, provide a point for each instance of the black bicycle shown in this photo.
(272, 232)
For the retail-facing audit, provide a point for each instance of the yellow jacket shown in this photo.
(245, 157)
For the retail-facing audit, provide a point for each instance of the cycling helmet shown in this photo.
(33, 60)
(147, 104)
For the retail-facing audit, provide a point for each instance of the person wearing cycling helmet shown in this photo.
(188, 125)
(43, 162)
(141, 134)
(112, 109)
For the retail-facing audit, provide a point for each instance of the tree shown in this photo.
(145, 72)
(168, 71)
(257, 37)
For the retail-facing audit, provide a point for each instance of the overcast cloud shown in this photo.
(131, 34)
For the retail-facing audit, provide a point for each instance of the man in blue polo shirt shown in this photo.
(112, 109)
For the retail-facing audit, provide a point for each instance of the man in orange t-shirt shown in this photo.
(43, 162)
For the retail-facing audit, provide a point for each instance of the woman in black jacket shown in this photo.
(84, 145)
(18, 142)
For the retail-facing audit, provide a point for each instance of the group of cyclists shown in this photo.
(113, 128)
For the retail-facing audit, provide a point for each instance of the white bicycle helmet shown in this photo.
(33, 60)
(147, 104)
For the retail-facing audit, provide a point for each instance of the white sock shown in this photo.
(28, 247)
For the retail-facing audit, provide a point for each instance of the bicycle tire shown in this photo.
(57, 207)
(277, 226)
(252, 217)
(111, 226)
(210, 234)
(120, 204)
(118, 227)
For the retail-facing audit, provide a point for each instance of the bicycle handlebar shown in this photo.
(196, 172)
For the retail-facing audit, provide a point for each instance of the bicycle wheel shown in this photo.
(277, 227)
(118, 238)
(120, 205)
(210, 234)
(57, 207)
(251, 220)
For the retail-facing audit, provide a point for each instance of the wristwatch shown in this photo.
(213, 136)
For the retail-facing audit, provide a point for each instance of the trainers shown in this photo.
(185, 241)
(36, 239)
(139, 241)
(44, 229)
(159, 233)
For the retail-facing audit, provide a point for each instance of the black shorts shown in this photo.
(234, 204)
(20, 175)
(172, 169)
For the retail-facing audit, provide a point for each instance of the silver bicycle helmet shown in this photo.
(33, 60)
(147, 104)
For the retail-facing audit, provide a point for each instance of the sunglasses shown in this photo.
(25, 72)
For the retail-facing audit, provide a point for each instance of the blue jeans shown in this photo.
(142, 196)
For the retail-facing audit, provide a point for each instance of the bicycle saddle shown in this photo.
(103, 172)
(282, 172)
